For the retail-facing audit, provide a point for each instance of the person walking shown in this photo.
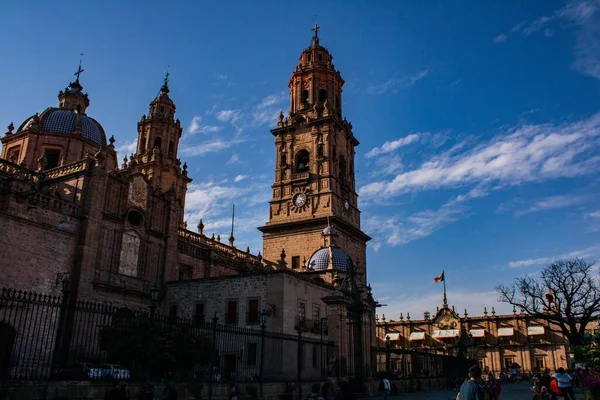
(386, 387)
(471, 389)
(564, 383)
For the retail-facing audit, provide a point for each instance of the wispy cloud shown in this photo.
(268, 109)
(587, 253)
(524, 154)
(595, 214)
(127, 148)
(395, 83)
(500, 38)
(234, 159)
(225, 79)
(388, 147)
(228, 115)
(239, 178)
(584, 17)
(213, 146)
(559, 201)
(195, 126)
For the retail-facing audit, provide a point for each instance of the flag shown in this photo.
(439, 278)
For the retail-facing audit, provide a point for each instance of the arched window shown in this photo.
(322, 95)
(158, 142)
(171, 148)
(78, 108)
(320, 150)
(305, 96)
(302, 161)
(342, 167)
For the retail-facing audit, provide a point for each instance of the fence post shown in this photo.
(58, 357)
(299, 366)
(263, 327)
(215, 319)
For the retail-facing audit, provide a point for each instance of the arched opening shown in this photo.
(78, 108)
(342, 167)
(320, 150)
(158, 142)
(302, 161)
(322, 95)
(7, 341)
(283, 159)
(171, 148)
(135, 218)
(305, 96)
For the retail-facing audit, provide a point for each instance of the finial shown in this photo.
(315, 29)
(165, 86)
(401, 317)
(200, 226)
(79, 70)
(282, 255)
(408, 316)
(485, 311)
(112, 140)
(259, 256)
(219, 238)
(383, 318)
(185, 167)
(304, 262)
(11, 128)
(493, 311)
(514, 309)
(466, 313)
(213, 237)
(184, 224)
(247, 249)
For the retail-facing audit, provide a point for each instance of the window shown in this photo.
(251, 354)
(173, 310)
(283, 159)
(157, 142)
(78, 108)
(308, 57)
(539, 363)
(508, 361)
(302, 161)
(305, 96)
(301, 312)
(135, 218)
(320, 57)
(162, 108)
(231, 317)
(320, 150)
(322, 95)
(342, 167)
(253, 316)
(295, 262)
(52, 158)
(13, 154)
(185, 272)
(199, 312)
(316, 313)
(171, 148)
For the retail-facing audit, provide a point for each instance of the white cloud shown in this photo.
(196, 126)
(559, 201)
(268, 109)
(127, 148)
(388, 147)
(500, 38)
(524, 154)
(214, 146)
(397, 82)
(224, 78)
(595, 214)
(589, 252)
(228, 115)
(240, 178)
(234, 159)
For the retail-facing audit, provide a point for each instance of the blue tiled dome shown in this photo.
(55, 120)
(319, 261)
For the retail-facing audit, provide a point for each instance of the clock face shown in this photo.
(346, 205)
(299, 199)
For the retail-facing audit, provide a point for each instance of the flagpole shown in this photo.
(444, 280)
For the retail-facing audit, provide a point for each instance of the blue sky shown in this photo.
(479, 122)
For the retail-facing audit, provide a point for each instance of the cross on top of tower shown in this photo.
(316, 31)
(79, 70)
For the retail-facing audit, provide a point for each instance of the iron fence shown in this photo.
(51, 337)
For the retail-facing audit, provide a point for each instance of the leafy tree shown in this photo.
(167, 347)
(567, 295)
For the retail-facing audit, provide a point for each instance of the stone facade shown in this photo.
(509, 343)
(115, 231)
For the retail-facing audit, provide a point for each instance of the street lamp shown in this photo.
(387, 354)
(154, 295)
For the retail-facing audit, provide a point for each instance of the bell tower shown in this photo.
(158, 143)
(314, 166)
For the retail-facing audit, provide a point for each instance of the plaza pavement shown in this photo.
(510, 391)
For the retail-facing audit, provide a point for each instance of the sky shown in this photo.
(479, 122)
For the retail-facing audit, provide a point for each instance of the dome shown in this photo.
(55, 120)
(329, 230)
(319, 261)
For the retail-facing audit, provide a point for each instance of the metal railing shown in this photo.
(52, 337)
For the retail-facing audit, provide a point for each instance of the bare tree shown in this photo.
(567, 295)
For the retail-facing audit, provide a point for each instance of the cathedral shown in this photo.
(113, 230)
